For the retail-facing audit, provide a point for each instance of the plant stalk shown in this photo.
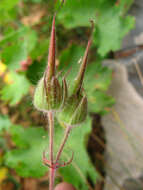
(68, 129)
(52, 170)
(51, 143)
(51, 178)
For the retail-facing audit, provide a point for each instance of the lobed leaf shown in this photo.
(111, 24)
(13, 92)
(80, 168)
(5, 123)
(19, 49)
(26, 159)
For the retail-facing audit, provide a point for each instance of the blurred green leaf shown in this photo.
(34, 1)
(14, 54)
(77, 13)
(8, 4)
(13, 35)
(35, 71)
(7, 10)
(5, 122)
(40, 49)
(69, 61)
(110, 30)
(111, 24)
(13, 92)
(26, 159)
(31, 39)
(20, 48)
(98, 76)
(80, 168)
(99, 102)
(96, 83)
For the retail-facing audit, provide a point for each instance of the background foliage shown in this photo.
(24, 40)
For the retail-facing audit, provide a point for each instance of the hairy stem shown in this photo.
(51, 178)
(51, 143)
(68, 129)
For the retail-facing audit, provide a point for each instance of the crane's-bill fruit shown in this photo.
(74, 111)
(48, 96)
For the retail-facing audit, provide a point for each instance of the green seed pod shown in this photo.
(48, 96)
(75, 110)
(40, 100)
(64, 92)
(54, 94)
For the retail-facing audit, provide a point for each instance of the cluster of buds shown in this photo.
(75, 109)
(71, 109)
(50, 95)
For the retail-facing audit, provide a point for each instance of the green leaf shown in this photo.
(40, 49)
(98, 76)
(13, 92)
(77, 13)
(99, 102)
(21, 46)
(8, 10)
(80, 168)
(35, 71)
(124, 5)
(26, 159)
(96, 83)
(13, 35)
(14, 54)
(69, 62)
(34, 1)
(110, 30)
(31, 39)
(8, 4)
(111, 24)
(5, 122)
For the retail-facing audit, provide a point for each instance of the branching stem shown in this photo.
(68, 129)
(52, 169)
(51, 143)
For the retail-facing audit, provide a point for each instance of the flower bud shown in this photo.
(40, 101)
(79, 79)
(49, 95)
(74, 111)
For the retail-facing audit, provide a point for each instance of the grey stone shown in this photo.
(124, 131)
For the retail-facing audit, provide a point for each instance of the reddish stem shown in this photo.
(51, 178)
(51, 57)
(51, 135)
(51, 143)
(68, 129)
(79, 79)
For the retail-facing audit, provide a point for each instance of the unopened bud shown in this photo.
(79, 79)
(74, 111)
(40, 100)
(49, 95)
